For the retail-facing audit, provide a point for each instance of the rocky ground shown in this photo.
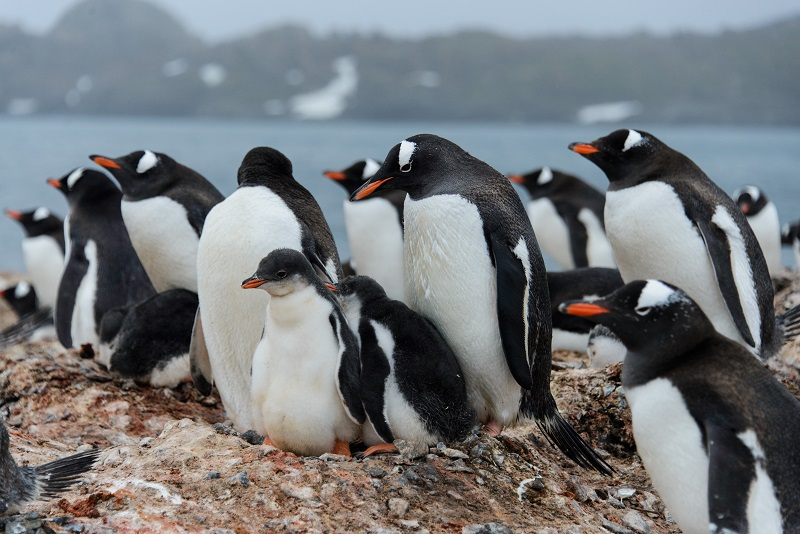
(171, 464)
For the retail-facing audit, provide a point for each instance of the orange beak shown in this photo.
(371, 188)
(250, 283)
(14, 214)
(584, 149)
(335, 175)
(583, 309)
(55, 183)
(516, 178)
(106, 162)
(331, 287)
(745, 208)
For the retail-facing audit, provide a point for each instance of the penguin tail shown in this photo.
(57, 476)
(25, 327)
(789, 323)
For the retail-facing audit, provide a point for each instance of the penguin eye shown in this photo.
(644, 310)
(406, 167)
(281, 274)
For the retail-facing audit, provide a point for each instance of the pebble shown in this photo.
(478, 450)
(410, 451)
(330, 457)
(409, 523)
(212, 475)
(252, 437)
(634, 521)
(498, 459)
(376, 472)
(397, 507)
(580, 491)
(146, 442)
(240, 478)
(488, 528)
(455, 453)
(625, 493)
(303, 493)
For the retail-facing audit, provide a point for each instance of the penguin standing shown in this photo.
(762, 215)
(164, 206)
(374, 228)
(42, 251)
(102, 270)
(305, 369)
(567, 216)
(411, 384)
(269, 210)
(717, 433)
(667, 220)
(21, 484)
(473, 267)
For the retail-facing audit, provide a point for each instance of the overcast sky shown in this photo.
(217, 20)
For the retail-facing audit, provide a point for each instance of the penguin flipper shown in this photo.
(76, 268)
(348, 370)
(199, 362)
(718, 245)
(512, 296)
(578, 235)
(374, 371)
(731, 470)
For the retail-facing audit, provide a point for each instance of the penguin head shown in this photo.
(35, 222)
(541, 182)
(750, 199)
(262, 165)
(620, 153)
(283, 271)
(355, 175)
(141, 173)
(647, 315)
(362, 288)
(21, 297)
(84, 183)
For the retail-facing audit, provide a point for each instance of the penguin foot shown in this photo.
(342, 448)
(268, 441)
(493, 428)
(383, 448)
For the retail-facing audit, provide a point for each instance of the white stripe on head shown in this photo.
(407, 149)
(147, 162)
(370, 167)
(753, 191)
(22, 290)
(41, 214)
(73, 178)
(656, 293)
(546, 176)
(634, 139)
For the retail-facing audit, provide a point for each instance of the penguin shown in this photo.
(164, 206)
(149, 341)
(666, 219)
(374, 228)
(42, 251)
(21, 297)
(268, 210)
(474, 269)
(716, 432)
(34, 324)
(22, 484)
(102, 270)
(790, 236)
(762, 215)
(305, 369)
(604, 348)
(567, 216)
(572, 333)
(412, 386)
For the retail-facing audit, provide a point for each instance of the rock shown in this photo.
(212, 475)
(455, 453)
(376, 472)
(397, 507)
(410, 451)
(615, 528)
(303, 493)
(634, 521)
(488, 528)
(146, 442)
(240, 479)
(252, 437)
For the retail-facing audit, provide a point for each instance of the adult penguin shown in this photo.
(473, 267)
(762, 215)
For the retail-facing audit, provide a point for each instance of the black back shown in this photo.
(40, 222)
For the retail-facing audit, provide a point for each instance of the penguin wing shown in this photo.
(348, 369)
(578, 235)
(76, 268)
(374, 371)
(731, 470)
(316, 256)
(199, 361)
(720, 239)
(512, 308)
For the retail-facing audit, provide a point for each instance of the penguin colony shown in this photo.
(451, 319)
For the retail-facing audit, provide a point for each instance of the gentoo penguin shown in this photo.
(604, 348)
(411, 384)
(374, 228)
(790, 236)
(34, 323)
(762, 215)
(149, 341)
(42, 251)
(102, 270)
(21, 297)
(269, 210)
(305, 369)
(21, 484)
(572, 333)
(567, 216)
(164, 205)
(667, 220)
(717, 433)
(473, 267)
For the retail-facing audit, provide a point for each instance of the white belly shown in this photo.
(294, 396)
(670, 444)
(376, 243)
(551, 232)
(598, 249)
(652, 238)
(451, 281)
(44, 262)
(237, 234)
(767, 228)
(164, 241)
(566, 340)
(83, 328)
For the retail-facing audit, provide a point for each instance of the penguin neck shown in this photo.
(644, 364)
(300, 306)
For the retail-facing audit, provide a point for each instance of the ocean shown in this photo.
(34, 149)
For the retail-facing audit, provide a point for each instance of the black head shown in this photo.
(363, 288)
(750, 199)
(543, 182)
(263, 164)
(83, 183)
(283, 271)
(790, 233)
(36, 222)
(140, 174)
(21, 297)
(355, 175)
(620, 153)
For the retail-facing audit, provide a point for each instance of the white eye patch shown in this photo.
(22, 290)
(147, 162)
(407, 149)
(73, 178)
(545, 177)
(634, 139)
(41, 214)
(655, 293)
(370, 167)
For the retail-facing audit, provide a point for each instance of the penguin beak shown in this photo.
(55, 183)
(104, 162)
(516, 178)
(581, 308)
(252, 282)
(14, 214)
(745, 208)
(334, 175)
(331, 287)
(584, 149)
(368, 188)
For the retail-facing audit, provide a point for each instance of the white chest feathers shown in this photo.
(44, 262)
(766, 227)
(551, 232)
(598, 249)
(164, 241)
(83, 328)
